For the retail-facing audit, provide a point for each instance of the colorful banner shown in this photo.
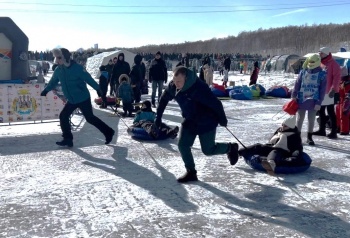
(22, 102)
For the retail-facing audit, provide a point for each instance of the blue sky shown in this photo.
(119, 23)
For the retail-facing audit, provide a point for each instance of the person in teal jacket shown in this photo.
(146, 113)
(73, 79)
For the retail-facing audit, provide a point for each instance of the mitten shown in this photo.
(223, 122)
(295, 153)
(43, 93)
(331, 93)
(317, 107)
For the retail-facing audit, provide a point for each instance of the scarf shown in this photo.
(326, 59)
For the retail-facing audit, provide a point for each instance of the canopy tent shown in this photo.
(93, 63)
(285, 62)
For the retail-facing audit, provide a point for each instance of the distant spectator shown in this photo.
(227, 63)
(119, 68)
(158, 75)
(332, 93)
(255, 74)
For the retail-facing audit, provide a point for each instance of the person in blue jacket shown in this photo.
(202, 112)
(73, 79)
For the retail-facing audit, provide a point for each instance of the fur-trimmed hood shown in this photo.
(64, 53)
(124, 76)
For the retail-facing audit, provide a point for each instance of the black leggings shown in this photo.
(332, 117)
(86, 108)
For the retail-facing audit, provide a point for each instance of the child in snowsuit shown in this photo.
(309, 91)
(103, 83)
(285, 143)
(343, 108)
(146, 113)
(145, 119)
(125, 92)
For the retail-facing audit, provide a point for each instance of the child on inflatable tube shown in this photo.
(145, 119)
(285, 147)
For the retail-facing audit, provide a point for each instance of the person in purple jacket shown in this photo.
(309, 91)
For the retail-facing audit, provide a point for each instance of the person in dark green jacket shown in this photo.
(202, 112)
(73, 79)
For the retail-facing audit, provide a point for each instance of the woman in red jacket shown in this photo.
(255, 74)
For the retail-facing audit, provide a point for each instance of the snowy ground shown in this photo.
(129, 188)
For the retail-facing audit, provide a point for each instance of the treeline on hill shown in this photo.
(298, 40)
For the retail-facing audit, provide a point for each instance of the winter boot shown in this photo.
(173, 132)
(232, 153)
(190, 175)
(322, 127)
(332, 135)
(266, 165)
(103, 105)
(309, 140)
(65, 142)
(109, 136)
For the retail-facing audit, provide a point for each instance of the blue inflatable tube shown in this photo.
(219, 93)
(140, 134)
(254, 163)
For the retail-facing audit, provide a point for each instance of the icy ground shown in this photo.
(129, 188)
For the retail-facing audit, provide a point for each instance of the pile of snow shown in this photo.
(93, 63)
(266, 80)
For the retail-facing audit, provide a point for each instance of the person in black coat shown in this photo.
(158, 75)
(202, 112)
(185, 61)
(136, 76)
(119, 68)
(227, 63)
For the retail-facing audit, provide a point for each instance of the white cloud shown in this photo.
(291, 12)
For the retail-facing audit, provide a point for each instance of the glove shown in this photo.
(317, 107)
(331, 93)
(43, 93)
(295, 153)
(223, 123)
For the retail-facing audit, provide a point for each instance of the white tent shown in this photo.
(341, 55)
(93, 63)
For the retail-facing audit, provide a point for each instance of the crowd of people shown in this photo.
(319, 87)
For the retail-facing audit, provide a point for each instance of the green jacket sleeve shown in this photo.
(89, 80)
(52, 83)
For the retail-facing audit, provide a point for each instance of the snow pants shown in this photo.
(208, 146)
(86, 109)
(273, 155)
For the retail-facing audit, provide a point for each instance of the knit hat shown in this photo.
(290, 122)
(325, 50)
(62, 52)
(158, 53)
(147, 104)
(312, 62)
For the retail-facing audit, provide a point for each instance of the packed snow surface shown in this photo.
(129, 188)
